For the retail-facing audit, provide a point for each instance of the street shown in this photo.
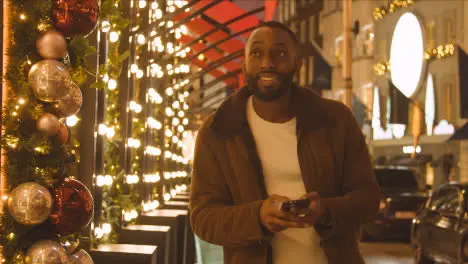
(387, 253)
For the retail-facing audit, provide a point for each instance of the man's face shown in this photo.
(270, 63)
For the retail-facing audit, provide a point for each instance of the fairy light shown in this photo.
(105, 26)
(71, 121)
(113, 37)
(153, 123)
(140, 74)
(22, 16)
(132, 179)
(153, 151)
(112, 84)
(133, 143)
(152, 178)
(135, 107)
(154, 96)
(142, 4)
(185, 121)
(141, 39)
(106, 228)
(169, 91)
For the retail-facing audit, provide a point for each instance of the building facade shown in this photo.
(431, 111)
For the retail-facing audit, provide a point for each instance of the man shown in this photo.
(273, 141)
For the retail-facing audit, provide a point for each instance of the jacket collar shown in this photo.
(230, 118)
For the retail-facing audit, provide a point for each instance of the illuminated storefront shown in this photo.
(417, 62)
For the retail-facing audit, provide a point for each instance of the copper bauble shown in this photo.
(52, 45)
(63, 134)
(80, 257)
(73, 208)
(47, 252)
(49, 124)
(30, 203)
(49, 80)
(70, 103)
(75, 17)
(71, 245)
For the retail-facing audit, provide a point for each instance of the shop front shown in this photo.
(436, 159)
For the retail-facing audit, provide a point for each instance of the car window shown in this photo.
(446, 201)
(398, 179)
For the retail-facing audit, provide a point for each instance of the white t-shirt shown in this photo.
(277, 148)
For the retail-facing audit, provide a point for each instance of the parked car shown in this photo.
(401, 198)
(440, 229)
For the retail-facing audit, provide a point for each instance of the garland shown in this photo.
(113, 199)
(32, 155)
(395, 5)
(441, 52)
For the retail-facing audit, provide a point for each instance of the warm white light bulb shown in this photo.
(112, 84)
(113, 36)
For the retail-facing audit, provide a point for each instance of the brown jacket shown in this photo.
(227, 184)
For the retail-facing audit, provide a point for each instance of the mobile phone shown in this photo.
(295, 206)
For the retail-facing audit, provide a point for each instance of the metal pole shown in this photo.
(347, 54)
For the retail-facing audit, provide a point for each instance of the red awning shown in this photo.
(221, 13)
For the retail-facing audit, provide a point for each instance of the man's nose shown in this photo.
(267, 62)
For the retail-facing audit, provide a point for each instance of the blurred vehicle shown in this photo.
(401, 198)
(440, 230)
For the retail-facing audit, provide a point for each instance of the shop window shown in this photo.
(430, 105)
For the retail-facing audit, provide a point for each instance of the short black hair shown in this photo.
(279, 25)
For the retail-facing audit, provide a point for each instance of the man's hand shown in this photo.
(314, 212)
(275, 220)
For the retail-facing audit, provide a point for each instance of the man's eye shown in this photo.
(255, 53)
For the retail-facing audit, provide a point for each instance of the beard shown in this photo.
(270, 93)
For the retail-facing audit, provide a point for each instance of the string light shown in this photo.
(153, 151)
(135, 107)
(71, 121)
(113, 37)
(142, 4)
(133, 143)
(22, 16)
(105, 26)
(106, 180)
(132, 179)
(112, 84)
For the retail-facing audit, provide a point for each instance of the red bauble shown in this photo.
(73, 207)
(63, 133)
(75, 17)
